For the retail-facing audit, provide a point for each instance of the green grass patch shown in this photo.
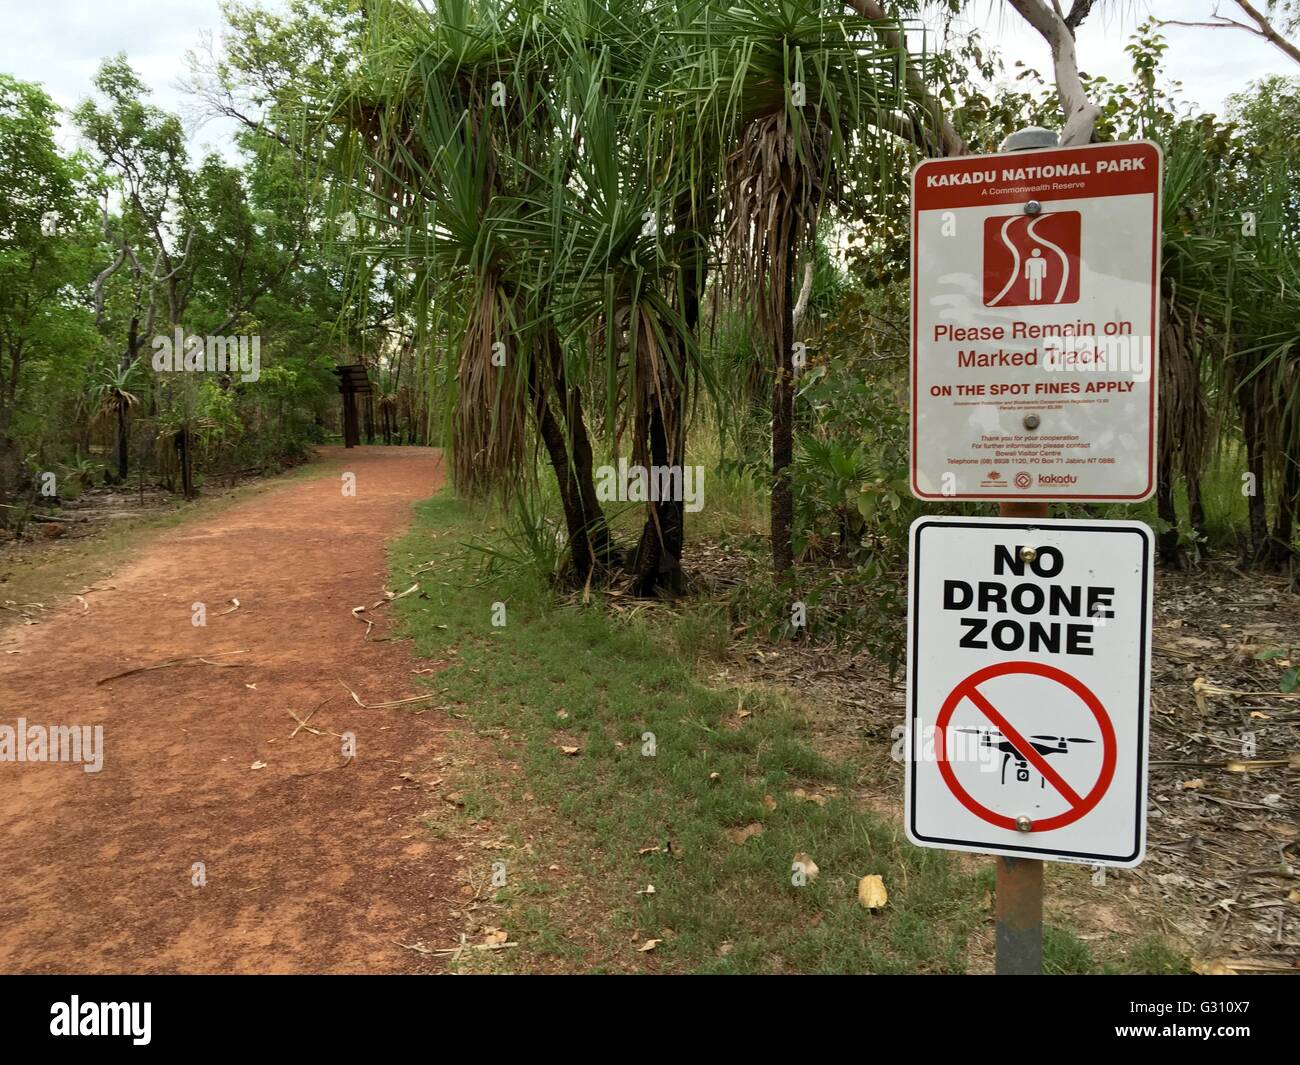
(667, 761)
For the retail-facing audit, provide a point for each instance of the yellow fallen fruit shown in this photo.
(872, 893)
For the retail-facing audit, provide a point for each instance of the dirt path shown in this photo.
(311, 864)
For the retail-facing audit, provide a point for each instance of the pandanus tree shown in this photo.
(458, 141)
(557, 178)
(807, 103)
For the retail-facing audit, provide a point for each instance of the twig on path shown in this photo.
(384, 706)
(369, 624)
(446, 952)
(389, 597)
(302, 723)
(188, 661)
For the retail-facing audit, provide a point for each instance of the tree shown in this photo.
(142, 150)
(43, 220)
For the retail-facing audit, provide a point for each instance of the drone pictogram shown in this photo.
(991, 737)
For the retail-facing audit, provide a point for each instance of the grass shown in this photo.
(1064, 954)
(667, 761)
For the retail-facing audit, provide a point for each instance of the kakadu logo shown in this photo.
(196, 354)
(656, 484)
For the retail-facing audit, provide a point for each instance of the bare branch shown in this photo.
(949, 141)
(100, 280)
(1080, 113)
(1263, 29)
(1078, 12)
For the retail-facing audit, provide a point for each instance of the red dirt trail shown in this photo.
(312, 864)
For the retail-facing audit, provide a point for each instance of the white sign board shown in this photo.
(1028, 680)
(1035, 289)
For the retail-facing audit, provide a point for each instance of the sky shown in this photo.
(59, 43)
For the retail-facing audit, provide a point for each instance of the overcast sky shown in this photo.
(59, 43)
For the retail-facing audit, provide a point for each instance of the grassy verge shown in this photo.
(707, 794)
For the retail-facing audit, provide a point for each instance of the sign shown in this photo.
(1028, 681)
(1035, 291)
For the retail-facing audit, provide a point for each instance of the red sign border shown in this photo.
(1043, 157)
(1109, 758)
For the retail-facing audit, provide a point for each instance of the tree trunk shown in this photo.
(593, 516)
(1196, 506)
(658, 560)
(589, 517)
(182, 441)
(122, 441)
(582, 556)
(1281, 550)
(1167, 541)
(783, 426)
(1252, 426)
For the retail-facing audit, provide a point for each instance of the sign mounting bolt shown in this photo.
(1023, 824)
(1028, 554)
(1033, 207)
(1032, 421)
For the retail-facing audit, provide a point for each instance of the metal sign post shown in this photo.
(1018, 882)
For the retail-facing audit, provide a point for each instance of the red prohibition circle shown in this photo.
(1002, 669)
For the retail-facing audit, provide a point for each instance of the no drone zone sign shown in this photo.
(1028, 680)
(1034, 324)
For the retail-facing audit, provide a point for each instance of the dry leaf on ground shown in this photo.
(871, 892)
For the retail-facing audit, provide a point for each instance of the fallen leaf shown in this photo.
(649, 889)
(648, 946)
(871, 892)
(1193, 785)
(258, 765)
(769, 802)
(1212, 967)
(495, 935)
(807, 796)
(569, 750)
(739, 835)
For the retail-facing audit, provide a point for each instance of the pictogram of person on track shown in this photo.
(1035, 273)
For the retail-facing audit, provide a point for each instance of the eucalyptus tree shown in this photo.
(142, 150)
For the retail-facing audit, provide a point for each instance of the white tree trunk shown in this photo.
(1081, 114)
